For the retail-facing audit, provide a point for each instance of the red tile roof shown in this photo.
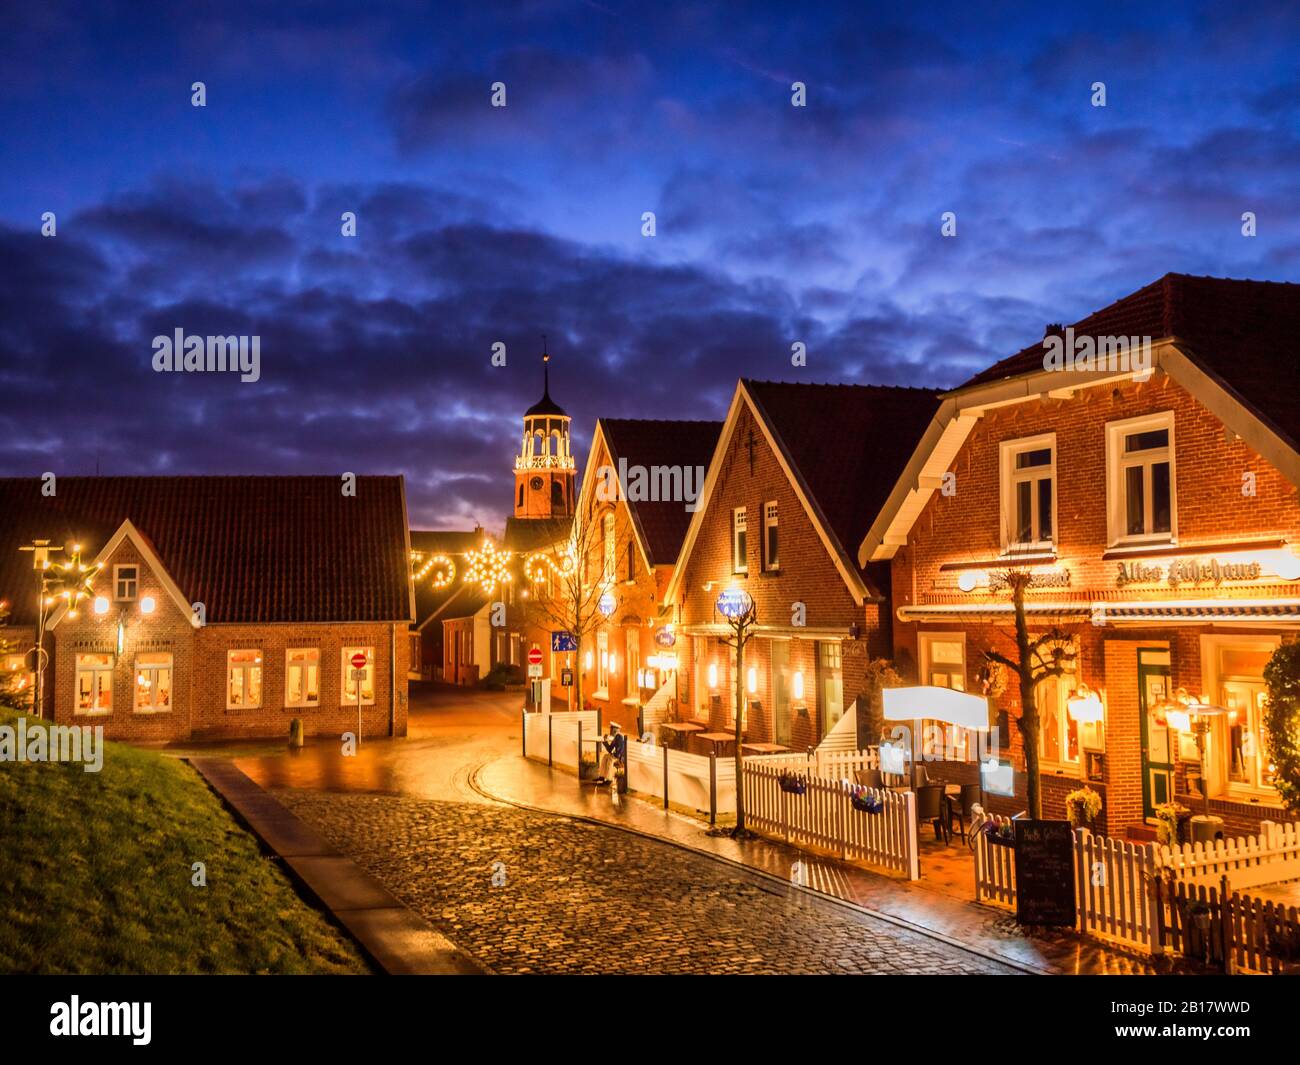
(648, 442)
(251, 549)
(1245, 334)
(848, 443)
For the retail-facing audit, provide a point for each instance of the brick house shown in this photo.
(225, 606)
(437, 559)
(638, 475)
(799, 472)
(1159, 521)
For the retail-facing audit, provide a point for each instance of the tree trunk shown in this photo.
(1028, 722)
(740, 704)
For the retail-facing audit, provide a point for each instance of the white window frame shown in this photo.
(959, 739)
(289, 664)
(602, 665)
(1116, 482)
(245, 668)
(1011, 478)
(1216, 749)
(154, 667)
(79, 669)
(610, 543)
(771, 521)
(739, 528)
(118, 578)
(632, 666)
(348, 696)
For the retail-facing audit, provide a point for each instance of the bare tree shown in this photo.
(741, 622)
(566, 582)
(1037, 658)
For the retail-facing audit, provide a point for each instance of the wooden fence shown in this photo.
(824, 816)
(1273, 854)
(1227, 929)
(827, 764)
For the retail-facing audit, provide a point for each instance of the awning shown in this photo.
(933, 703)
(1167, 611)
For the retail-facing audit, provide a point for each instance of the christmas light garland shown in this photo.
(487, 567)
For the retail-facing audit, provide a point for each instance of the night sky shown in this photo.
(476, 224)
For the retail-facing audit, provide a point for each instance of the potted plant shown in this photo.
(1082, 805)
(792, 783)
(1004, 834)
(862, 800)
(1169, 819)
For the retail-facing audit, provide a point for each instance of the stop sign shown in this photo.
(358, 661)
(535, 656)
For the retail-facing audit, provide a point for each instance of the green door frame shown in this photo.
(1157, 777)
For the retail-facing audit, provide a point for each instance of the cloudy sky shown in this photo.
(475, 224)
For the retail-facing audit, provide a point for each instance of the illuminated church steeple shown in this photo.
(545, 472)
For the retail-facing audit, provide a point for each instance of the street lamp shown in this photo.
(1185, 713)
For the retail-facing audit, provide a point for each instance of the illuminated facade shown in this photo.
(1155, 507)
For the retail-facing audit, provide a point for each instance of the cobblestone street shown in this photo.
(579, 898)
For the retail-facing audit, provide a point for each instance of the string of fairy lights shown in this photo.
(488, 567)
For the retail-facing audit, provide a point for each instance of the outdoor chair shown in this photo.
(929, 807)
(922, 775)
(870, 778)
(961, 807)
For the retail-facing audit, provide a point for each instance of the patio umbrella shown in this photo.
(927, 701)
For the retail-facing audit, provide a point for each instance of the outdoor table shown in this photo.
(682, 726)
(763, 748)
(716, 738)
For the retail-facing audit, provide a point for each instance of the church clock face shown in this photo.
(535, 484)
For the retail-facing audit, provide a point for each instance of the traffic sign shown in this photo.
(358, 674)
(535, 671)
(359, 661)
(562, 642)
(534, 656)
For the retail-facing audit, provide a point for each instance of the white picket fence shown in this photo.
(827, 764)
(824, 816)
(557, 738)
(1114, 878)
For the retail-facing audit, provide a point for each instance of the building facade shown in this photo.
(1153, 504)
(222, 606)
(798, 473)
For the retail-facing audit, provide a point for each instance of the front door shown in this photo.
(781, 691)
(1157, 738)
(831, 676)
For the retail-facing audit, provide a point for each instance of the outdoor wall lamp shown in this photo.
(713, 675)
(101, 604)
(1085, 705)
(148, 604)
(751, 680)
(797, 684)
(1184, 713)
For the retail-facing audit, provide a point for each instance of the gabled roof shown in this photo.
(841, 446)
(535, 534)
(251, 549)
(660, 524)
(450, 542)
(1246, 334)
(1233, 345)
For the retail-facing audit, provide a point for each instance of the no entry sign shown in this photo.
(535, 656)
(358, 661)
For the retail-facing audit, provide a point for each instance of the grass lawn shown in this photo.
(95, 877)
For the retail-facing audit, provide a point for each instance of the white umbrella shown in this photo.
(928, 701)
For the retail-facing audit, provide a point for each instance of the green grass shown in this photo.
(95, 877)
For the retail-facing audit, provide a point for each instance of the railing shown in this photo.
(823, 815)
(1113, 887)
(829, 765)
(995, 868)
(1239, 859)
(1233, 931)
(693, 781)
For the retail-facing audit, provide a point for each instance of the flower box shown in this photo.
(792, 784)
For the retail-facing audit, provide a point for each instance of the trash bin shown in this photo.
(1205, 828)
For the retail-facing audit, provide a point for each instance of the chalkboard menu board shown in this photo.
(1044, 872)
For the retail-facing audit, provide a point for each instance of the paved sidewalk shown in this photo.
(399, 941)
(927, 904)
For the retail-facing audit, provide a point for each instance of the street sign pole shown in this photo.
(358, 675)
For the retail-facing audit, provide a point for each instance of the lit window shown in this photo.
(302, 677)
(943, 665)
(367, 681)
(153, 681)
(1058, 732)
(771, 539)
(1141, 501)
(602, 664)
(739, 552)
(634, 675)
(16, 681)
(1028, 492)
(607, 532)
(126, 580)
(94, 683)
(244, 680)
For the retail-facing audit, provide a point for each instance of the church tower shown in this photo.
(544, 468)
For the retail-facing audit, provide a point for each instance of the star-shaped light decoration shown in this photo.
(72, 580)
(487, 567)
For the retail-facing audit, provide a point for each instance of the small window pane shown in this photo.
(1024, 512)
(1160, 497)
(1153, 438)
(1028, 459)
(1045, 508)
(1135, 521)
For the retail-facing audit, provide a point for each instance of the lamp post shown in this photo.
(70, 581)
(1195, 715)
